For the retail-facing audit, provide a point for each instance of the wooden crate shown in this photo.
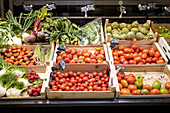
(155, 45)
(124, 42)
(81, 94)
(101, 42)
(40, 67)
(43, 75)
(141, 70)
(89, 48)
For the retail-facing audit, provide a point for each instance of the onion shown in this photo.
(30, 39)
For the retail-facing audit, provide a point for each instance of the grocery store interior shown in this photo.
(84, 56)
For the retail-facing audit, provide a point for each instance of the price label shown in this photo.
(114, 42)
(62, 65)
(60, 48)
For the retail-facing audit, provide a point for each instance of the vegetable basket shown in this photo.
(81, 94)
(154, 45)
(124, 42)
(150, 74)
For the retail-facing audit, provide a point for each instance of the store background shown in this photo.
(103, 8)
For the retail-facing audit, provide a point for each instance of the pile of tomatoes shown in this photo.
(133, 85)
(72, 55)
(19, 56)
(135, 55)
(80, 81)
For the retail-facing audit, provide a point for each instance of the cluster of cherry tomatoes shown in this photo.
(72, 55)
(80, 81)
(19, 56)
(135, 55)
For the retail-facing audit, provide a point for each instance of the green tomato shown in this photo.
(157, 85)
(138, 77)
(164, 91)
(138, 84)
(144, 92)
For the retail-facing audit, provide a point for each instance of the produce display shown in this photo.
(146, 84)
(77, 81)
(165, 32)
(73, 55)
(134, 31)
(136, 55)
(16, 82)
(21, 56)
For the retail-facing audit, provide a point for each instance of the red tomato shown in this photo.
(95, 74)
(121, 74)
(115, 54)
(131, 79)
(145, 51)
(132, 62)
(120, 86)
(132, 50)
(124, 83)
(54, 88)
(160, 61)
(161, 58)
(147, 86)
(138, 59)
(131, 75)
(135, 92)
(121, 47)
(132, 87)
(116, 58)
(135, 55)
(80, 53)
(65, 75)
(96, 53)
(126, 77)
(68, 51)
(119, 78)
(157, 54)
(125, 91)
(64, 55)
(67, 60)
(86, 74)
(149, 60)
(120, 53)
(125, 62)
(128, 56)
(151, 53)
(70, 74)
(87, 60)
(100, 74)
(154, 59)
(155, 91)
(116, 62)
(73, 51)
(167, 85)
(98, 49)
(141, 49)
(140, 63)
(86, 54)
(134, 46)
(93, 56)
(153, 49)
(144, 56)
(127, 50)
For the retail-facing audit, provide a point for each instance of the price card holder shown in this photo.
(119, 68)
(60, 49)
(61, 65)
(114, 42)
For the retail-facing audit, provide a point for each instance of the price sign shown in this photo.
(62, 65)
(114, 42)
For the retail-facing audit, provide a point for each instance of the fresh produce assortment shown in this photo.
(71, 81)
(136, 55)
(14, 82)
(165, 32)
(73, 55)
(19, 55)
(130, 84)
(134, 31)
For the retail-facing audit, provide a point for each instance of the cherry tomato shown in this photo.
(141, 49)
(100, 74)
(121, 47)
(138, 59)
(134, 46)
(145, 51)
(127, 50)
(144, 56)
(125, 62)
(122, 60)
(159, 61)
(135, 55)
(149, 60)
(132, 62)
(128, 56)
(86, 74)
(157, 54)
(120, 53)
